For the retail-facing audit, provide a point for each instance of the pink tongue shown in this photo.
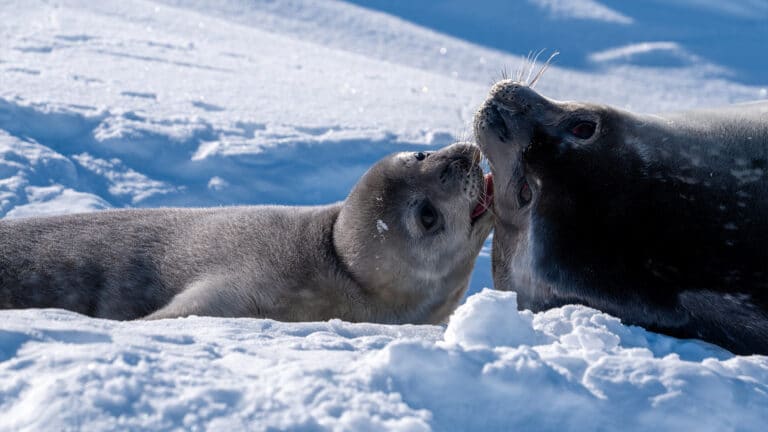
(480, 208)
(486, 199)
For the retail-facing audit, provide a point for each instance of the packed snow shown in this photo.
(144, 103)
(493, 368)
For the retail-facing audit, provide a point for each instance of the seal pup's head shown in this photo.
(412, 227)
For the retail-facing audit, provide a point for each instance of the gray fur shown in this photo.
(284, 263)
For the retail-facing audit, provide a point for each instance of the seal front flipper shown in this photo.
(208, 296)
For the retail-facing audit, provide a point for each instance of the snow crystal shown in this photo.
(381, 226)
(217, 183)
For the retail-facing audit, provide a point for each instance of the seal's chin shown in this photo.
(486, 199)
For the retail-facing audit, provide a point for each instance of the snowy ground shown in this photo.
(200, 102)
(492, 369)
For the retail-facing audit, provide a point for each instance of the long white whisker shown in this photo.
(525, 67)
(519, 71)
(543, 69)
(533, 66)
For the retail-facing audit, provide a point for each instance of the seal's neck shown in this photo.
(383, 283)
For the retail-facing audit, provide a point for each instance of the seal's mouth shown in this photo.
(486, 199)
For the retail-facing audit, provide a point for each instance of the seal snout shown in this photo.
(462, 173)
(514, 97)
(461, 162)
(506, 91)
(503, 112)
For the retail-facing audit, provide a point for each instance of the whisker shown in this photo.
(524, 67)
(543, 69)
(474, 164)
(533, 66)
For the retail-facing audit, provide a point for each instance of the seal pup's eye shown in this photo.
(584, 129)
(429, 218)
(420, 156)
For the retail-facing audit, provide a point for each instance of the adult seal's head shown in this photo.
(413, 225)
(660, 220)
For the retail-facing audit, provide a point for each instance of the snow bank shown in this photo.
(571, 368)
(493, 368)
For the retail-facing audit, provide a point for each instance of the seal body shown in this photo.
(369, 258)
(660, 220)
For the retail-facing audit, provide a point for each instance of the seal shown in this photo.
(660, 220)
(399, 249)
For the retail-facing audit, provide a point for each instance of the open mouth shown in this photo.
(486, 199)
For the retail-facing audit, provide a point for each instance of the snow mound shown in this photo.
(494, 368)
(571, 368)
(468, 329)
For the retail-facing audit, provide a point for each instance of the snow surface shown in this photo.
(141, 103)
(571, 368)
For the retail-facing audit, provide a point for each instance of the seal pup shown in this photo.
(660, 220)
(399, 249)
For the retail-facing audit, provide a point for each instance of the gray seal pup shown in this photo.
(399, 249)
(660, 220)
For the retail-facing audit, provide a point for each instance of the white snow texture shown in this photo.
(144, 103)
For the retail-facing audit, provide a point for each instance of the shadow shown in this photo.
(730, 37)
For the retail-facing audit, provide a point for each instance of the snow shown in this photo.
(583, 9)
(144, 103)
(381, 226)
(571, 368)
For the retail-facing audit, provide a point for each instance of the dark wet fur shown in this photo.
(661, 234)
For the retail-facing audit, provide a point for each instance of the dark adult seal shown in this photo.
(660, 220)
(399, 249)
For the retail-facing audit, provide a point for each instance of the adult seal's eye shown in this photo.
(584, 130)
(525, 195)
(420, 156)
(429, 218)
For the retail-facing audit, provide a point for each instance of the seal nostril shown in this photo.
(494, 121)
(457, 170)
